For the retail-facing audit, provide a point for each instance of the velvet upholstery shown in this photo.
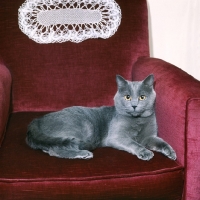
(53, 75)
(48, 77)
(178, 115)
(111, 174)
(5, 85)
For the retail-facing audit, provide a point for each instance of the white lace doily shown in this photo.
(49, 21)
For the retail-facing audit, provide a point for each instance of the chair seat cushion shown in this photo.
(112, 174)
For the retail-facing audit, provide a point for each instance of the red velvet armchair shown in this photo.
(38, 78)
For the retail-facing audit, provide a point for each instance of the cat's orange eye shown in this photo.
(127, 97)
(142, 97)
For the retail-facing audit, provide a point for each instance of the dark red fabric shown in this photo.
(192, 154)
(112, 174)
(5, 85)
(53, 76)
(178, 115)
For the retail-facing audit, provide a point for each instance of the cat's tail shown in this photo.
(54, 146)
(36, 139)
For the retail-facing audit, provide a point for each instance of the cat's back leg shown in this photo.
(59, 138)
(70, 154)
(69, 149)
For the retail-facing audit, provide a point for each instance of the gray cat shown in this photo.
(130, 125)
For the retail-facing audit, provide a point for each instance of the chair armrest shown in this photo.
(178, 115)
(5, 89)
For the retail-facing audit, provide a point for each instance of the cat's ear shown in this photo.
(121, 82)
(149, 80)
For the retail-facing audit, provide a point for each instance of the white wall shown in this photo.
(174, 27)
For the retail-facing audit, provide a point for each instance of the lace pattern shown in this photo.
(50, 21)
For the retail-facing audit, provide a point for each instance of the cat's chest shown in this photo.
(134, 127)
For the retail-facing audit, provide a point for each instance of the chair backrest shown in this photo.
(49, 77)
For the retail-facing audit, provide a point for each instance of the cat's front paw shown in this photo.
(145, 154)
(169, 152)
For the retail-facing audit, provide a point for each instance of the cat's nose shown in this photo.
(134, 107)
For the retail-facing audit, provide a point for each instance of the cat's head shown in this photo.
(135, 98)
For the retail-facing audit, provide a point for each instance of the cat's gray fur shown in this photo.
(130, 125)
